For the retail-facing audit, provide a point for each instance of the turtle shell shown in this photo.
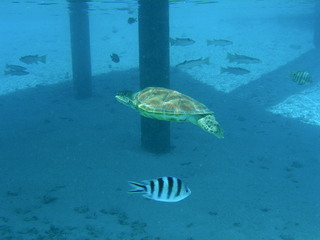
(157, 100)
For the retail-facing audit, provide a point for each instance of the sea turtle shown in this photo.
(169, 105)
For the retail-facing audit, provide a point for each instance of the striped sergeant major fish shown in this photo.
(301, 77)
(163, 189)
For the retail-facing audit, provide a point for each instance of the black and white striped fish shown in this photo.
(163, 189)
(301, 77)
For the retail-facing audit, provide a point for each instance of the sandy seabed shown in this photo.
(65, 163)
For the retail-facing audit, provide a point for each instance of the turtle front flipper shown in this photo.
(209, 124)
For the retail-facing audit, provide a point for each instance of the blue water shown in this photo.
(65, 162)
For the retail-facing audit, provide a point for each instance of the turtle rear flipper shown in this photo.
(209, 124)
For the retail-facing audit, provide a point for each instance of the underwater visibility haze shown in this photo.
(113, 112)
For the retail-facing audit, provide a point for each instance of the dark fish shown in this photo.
(30, 59)
(163, 189)
(242, 58)
(181, 41)
(47, 3)
(193, 63)
(15, 67)
(131, 20)
(205, 2)
(301, 77)
(123, 8)
(219, 42)
(129, 10)
(234, 70)
(295, 46)
(15, 72)
(115, 58)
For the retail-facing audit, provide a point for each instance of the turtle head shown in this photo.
(126, 98)
(209, 124)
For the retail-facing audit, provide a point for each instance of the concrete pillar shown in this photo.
(80, 48)
(154, 65)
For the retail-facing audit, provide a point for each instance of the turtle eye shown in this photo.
(121, 93)
(127, 94)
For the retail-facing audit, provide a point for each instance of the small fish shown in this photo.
(30, 59)
(219, 42)
(193, 63)
(295, 46)
(115, 58)
(181, 41)
(242, 58)
(123, 8)
(234, 70)
(163, 189)
(205, 2)
(15, 72)
(129, 10)
(47, 3)
(301, 77)
(132, 20)
(15, 67)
